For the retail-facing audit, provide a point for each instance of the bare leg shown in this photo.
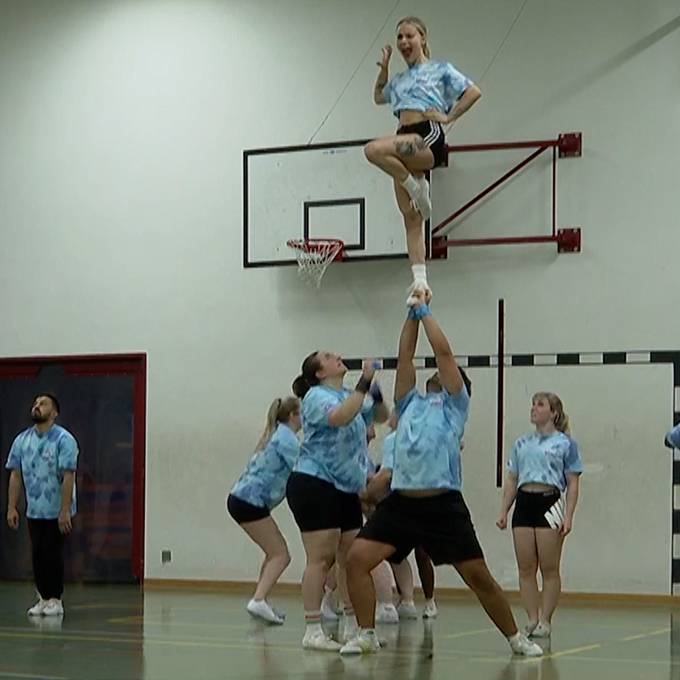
(549, 544)
(320, 548)
(527, 564)
(400, 155)
(266, 534)
(426, 572)
(413, 223)
(382, 582)
(403, 575)
(363, 557)
(346, 540)
(490, 595)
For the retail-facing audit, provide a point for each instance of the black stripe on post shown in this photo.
(675, 571)
(676, 521)
(568, 359)
(614, 358)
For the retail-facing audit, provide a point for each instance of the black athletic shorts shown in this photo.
(440, 524)
(532, 509)
(316, 504)
(433, 136)
(243, 512)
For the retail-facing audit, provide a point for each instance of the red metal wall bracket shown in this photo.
(567, 145)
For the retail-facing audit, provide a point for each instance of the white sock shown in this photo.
(313, 629)
(419, 273)
(514, 638)
(411, 185)
(367, 631)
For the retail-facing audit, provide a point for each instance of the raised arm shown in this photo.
(383, 76)
(449, 375)
(406, 372)
(350, 408)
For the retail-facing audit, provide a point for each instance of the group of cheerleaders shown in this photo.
(356, 518)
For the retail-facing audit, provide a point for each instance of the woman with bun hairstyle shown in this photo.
(323, 490)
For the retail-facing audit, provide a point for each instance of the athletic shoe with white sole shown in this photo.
(53, 607)
(386, 613)
(260, 609)
(366, 642)
(430, 610)
(522, 646)
(37, 608)
(320, 642)
(407, 610)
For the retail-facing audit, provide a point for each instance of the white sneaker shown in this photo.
(521, 645)
(386, 613)
(260, 609)
(407, 610)
(328, 611)
(530, 628)
(430, 610)
(366, 642)
(542, 630)
(421, 201)
(53, 607)
(415, 288)
(320, 642)
(349, 627)
(281, 614)
(37, 608)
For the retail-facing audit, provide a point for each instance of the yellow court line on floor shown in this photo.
(575, 650)
(240, 645)
(641, 636)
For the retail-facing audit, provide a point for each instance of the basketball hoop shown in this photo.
(314, 255)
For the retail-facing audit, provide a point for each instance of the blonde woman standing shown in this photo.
(544, 464)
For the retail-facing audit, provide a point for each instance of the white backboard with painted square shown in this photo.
(317, 191)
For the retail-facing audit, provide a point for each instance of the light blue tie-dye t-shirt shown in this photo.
(388, 451)
(427, 443)
(432, 85)
(338, 455)
(263, 482)
(673, 437)
(540, 459)
(43, 459)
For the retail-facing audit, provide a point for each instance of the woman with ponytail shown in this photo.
(543, 464)
(323, 490)
(426, 96)
(260, 488)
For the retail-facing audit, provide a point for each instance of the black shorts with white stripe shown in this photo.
(433, 136)
(538, 509)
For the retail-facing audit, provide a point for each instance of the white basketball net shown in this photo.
(314, 257)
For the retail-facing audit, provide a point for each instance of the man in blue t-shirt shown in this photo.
(426, 506)
(44, 458)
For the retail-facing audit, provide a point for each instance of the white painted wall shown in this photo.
(122, 126)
